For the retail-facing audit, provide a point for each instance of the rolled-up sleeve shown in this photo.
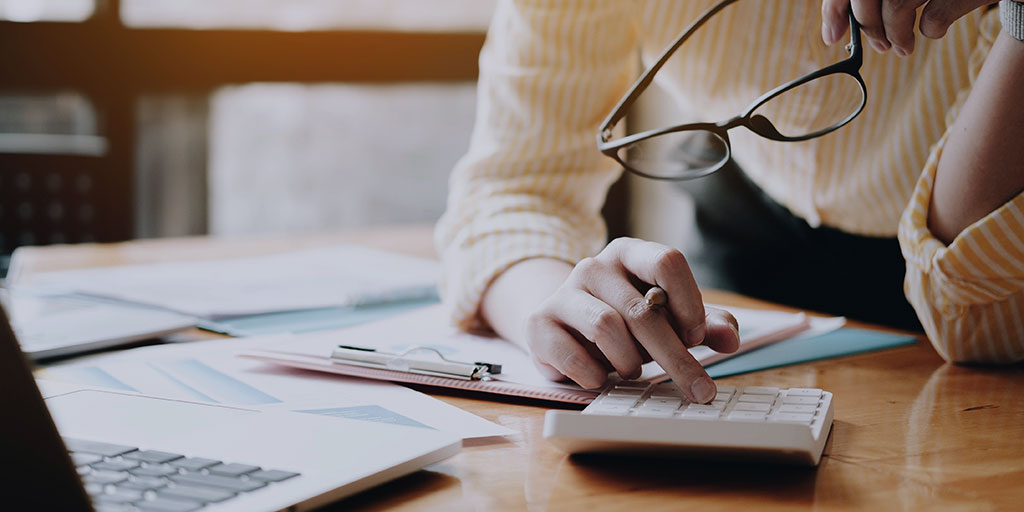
(532, 183)
(969, 295)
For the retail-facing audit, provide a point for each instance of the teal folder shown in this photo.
(837, 343)
(311, 320)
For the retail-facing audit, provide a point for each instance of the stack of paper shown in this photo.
(209, 372)
(301, 280)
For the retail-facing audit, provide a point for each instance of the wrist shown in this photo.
(518, 291)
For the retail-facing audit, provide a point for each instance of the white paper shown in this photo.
(429, 327)
(209, 371)
(426, 327)
(308, 279)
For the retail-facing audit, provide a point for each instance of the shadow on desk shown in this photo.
(418, 486)
(688, 477)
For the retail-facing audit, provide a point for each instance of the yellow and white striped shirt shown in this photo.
(533, 182)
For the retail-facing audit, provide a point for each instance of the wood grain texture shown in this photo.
(910, 431)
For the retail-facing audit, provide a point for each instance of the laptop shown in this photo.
(136, 452)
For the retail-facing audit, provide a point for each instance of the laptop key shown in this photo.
(153, 456)
(154, 470)
(233, 469)
(105, 477)
(116, 465)
(120, 495)
(144, 483)
(194, 463)
(272, 475)
(166, 505)
(104, 449)
(195, 493)
(84, 459)
(218, 481)
(113, 507)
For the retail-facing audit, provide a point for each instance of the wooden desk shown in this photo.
(910, 432)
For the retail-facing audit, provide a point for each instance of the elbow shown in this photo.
(967, 325)
(974, 336)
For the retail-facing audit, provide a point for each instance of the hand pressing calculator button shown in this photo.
(753, 423)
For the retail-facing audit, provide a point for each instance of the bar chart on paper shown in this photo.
(183, 379)
(211, 372)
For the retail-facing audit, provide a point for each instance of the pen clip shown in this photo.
(369, 357)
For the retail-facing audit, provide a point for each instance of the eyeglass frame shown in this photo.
(758, 124)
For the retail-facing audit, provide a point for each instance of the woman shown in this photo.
(934, 157)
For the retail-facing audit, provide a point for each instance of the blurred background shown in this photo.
(126, 119)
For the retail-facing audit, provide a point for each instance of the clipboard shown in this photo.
(496, 387)
(428, 327)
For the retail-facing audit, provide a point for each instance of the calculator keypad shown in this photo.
(759, 404)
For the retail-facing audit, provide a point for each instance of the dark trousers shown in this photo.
(754, 246)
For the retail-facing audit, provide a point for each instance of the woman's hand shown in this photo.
(890, 23)
(598, 320)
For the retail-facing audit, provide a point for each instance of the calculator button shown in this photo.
(719, 404)
(800, 400)
(727, 389)
(611, 409)
(664, 402)
(746, 416)
(752, 406)
(723, 396)
(803, 392)
(802, 409)
(701, 414)
(760, 390)
(789, 417)
(764, 399)
(701, 407)
(636, 384)
(655, 412)
(625, 392)
(666, 390)
(628, 401)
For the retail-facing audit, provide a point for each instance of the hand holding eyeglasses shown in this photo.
(599, 320)
(890, 23)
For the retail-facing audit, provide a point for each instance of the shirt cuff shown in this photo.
(984, 264)
(471, 266)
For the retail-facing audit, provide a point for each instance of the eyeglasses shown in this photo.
(808, 107)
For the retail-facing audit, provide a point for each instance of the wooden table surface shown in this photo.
(910, 431)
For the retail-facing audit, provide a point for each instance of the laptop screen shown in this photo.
(40, 474)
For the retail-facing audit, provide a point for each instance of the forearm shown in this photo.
(982, 165)
(517, 292)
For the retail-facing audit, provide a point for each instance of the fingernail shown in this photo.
(901, 52)
(704, 390)
(879, 47)
(826, 35)
(696, 335)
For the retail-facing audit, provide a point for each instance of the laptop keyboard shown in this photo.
(125, 478)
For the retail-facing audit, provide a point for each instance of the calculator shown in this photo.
(755, 423)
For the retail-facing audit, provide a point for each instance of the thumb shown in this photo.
(938, 15)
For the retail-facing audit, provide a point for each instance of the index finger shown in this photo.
(652, 330)
(665, 267)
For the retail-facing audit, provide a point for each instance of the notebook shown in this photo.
(429, 328)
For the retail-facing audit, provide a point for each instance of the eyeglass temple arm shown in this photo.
(855, 47)
(645, 80)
